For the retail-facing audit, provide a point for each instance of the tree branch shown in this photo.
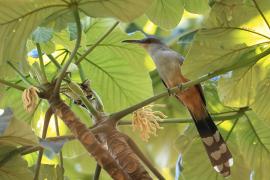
(19, 73)
(42, 66)
(72, 55)
(44, 132)
(97, 43)
(9, 84)
(60, 153)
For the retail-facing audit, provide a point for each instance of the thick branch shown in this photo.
(88, 139)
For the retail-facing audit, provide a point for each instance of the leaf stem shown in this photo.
(81, 72)
(9, 84)
(42, 66)
(97, 43)
(60, 153)
(54, 61)
(44, 132)
(72, 55)
(25, 80)
(261, 13)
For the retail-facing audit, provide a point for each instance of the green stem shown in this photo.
(90, 107)
(25, 80)
(54, 61)
(190, 120)
(82, 75)
(42, 66)
(97, 43)
(9, 84)
(118, 115)
(72, 55)
(261, 13)
(60, 154)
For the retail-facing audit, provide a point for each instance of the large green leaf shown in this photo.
(51, 172)
(15, 168)
(238, 88)
(193, 152)
(262, 99)
(20, 18)
(254, 140)
(116, 70)
(197, 6)
(166, 13)
(229, 36)
(19, 133)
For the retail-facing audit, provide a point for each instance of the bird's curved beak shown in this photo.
(133, 41)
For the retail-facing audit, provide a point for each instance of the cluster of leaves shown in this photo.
(229, 40)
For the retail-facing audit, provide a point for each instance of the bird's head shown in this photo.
(147, 42)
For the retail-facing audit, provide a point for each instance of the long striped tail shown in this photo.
(216, 148)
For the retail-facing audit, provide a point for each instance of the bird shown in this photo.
(168, 64)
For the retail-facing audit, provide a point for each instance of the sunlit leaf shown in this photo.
(20, 18)
(166, 14)
(254, 140)
(52, 172)
(116, 70)
(229, 36)
(15, 168)
(238, 88)
(196, 6)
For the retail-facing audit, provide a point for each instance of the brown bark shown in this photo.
(124, 155)
(87, 138)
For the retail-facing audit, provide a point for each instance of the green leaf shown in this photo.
(20, 18)
(166, 14)
(15, 168)
(19, 133)
(238, 88)
(229, 36)
(116, 70)
(254, 140)
(262, 99)
(42, 35)
(52, 172)
(193, 153)
(197, 6)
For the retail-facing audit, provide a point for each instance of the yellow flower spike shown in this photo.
(30, 98)
(146, 121)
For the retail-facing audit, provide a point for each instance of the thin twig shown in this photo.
(41, 62)
(97, 172)
(54, 61)
(261, 13)
(19, 73)
(12, 85)
(60, 153)
(44, 132)
(72, 55)
(97, 43)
